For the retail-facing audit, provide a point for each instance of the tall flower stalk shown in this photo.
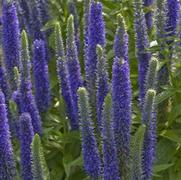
(121, 100)
(167, 14)
(7, 164)
(62, 74)
(142, 45)
(96, 35)
(89, 145)
(11, 40)
(149, 119)
(149, 116)
(111, 168)
(27, 100)
(73, 66)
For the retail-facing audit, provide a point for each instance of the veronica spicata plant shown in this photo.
(96, 35)
(121, 102)
(27, 100)
(62, 74)
(91, 157)
(11, 40)
(142, 45)
(110, 159)
(73, 66)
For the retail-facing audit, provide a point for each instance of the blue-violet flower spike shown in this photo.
(89, 145)
(121, 100)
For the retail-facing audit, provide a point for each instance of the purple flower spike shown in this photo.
(89, 145)
(28, 103)
(142, 44)
(149, 119)
(7, 164)
(26, 137)
(73, 66)
(11, 40)
(121, 102)
(111, 168)
(96, 35)
(41, 76)
(121, 40)
(63, 77)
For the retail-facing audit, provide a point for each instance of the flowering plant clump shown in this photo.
(90, 89)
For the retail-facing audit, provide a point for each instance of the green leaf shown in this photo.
(164, 95)
(172, 135)
(161, 167)
(165, 151)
